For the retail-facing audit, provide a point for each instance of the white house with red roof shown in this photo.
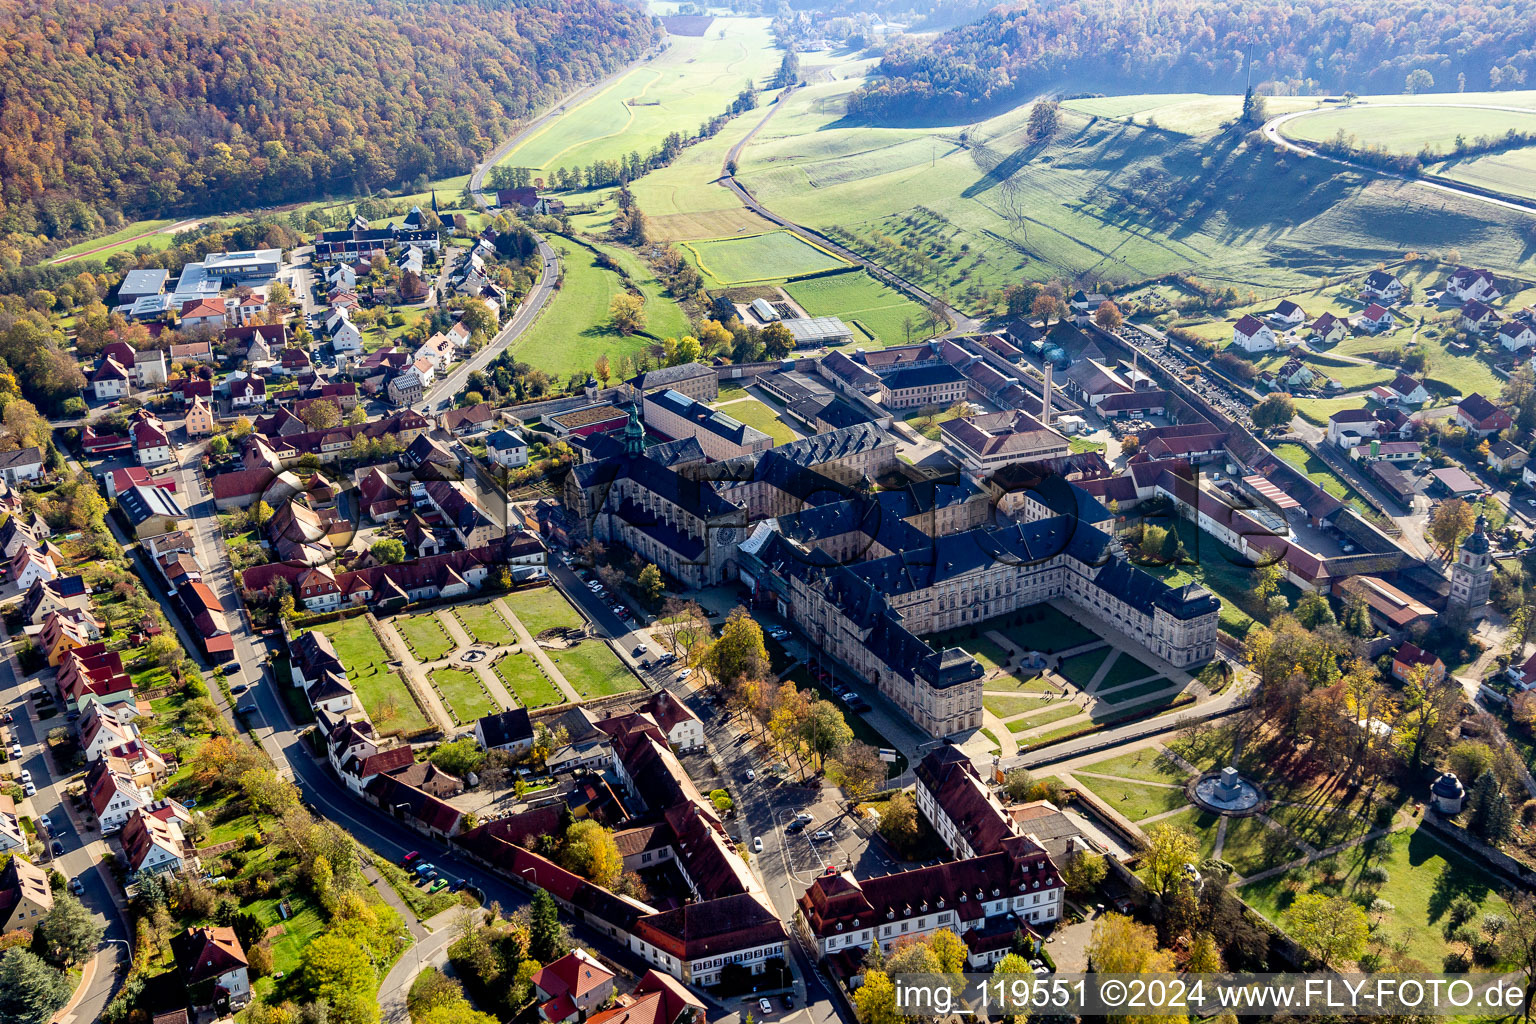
(1481, 417)
(1253, 335)
(114, 795)
(151, 443)
(572, 987)
(1374, 318)
(110, 381)
(154, 840)
(213, 966)
(1478, 317)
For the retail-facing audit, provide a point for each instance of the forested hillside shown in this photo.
(1017, 51)
(148, 108)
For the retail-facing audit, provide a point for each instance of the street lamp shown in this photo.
(127, 946)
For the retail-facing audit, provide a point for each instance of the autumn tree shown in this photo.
(1083, 873)
(387, 551)
(321, 414)
(857, 768)
(626, 313)
(1119, 945)
(590, 851)
(650, 583)
(1108, 316)
(1332, 928)
(740, 651)
(1169, 848)
(876, 1000)
(824, 730)
(1045, 307)
(601, 369)
(777, 341)
(1273, 411)
(898, 822)
(1449, 523)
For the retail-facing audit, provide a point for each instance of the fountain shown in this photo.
(1227, 792)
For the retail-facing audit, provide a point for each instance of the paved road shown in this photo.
(1273, 133)
(82, 850)
(959, 322)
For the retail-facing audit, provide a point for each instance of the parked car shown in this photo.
(794, 827)
(438, 886)
(639, 651)
(76, 886)
(684, 674)
(765, 1006)
(409, 858)
(422, 869)
(58, 848)
(238, 689)
(42, 819)
(26, 775)
(822, 834)
(757, 844)
(29, 789)
(805, 817)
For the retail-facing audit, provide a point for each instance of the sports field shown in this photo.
(1407, 129)
(693, 80)
(770, 256)
(573, 331)
(862, 301)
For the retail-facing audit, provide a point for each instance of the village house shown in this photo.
(114, 795)
(1481, 417)
(1468, 284)
(572, 987)
(25, 895)
(1507, 457)
(507, 448)
(1408, 659)
(1328, 329)
(1478, 317)
(1518, 333)
(1383, 286)
(1288, 314)
(213, 966)
(1253, 335)
(1375, 318)
(23, 465)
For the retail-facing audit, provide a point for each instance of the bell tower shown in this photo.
(1472, 575)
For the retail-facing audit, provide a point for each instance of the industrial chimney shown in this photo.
(1046, 396)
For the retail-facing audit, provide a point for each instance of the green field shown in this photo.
(593, 670)
(1423, 878)
(1007, 707)
(1512, 172)
(693, 80)
(118, 241)
(574, 329)
(1052, 713)
(1405, 129)
(1148, 765)
(464, 694)
(1128, 694)
(1125, 669)
(527, 682)
(861, 301)
(484, 623)
(770, 256)
(1079, 668)
(425, 635)
(1319, 473)
(966, 215)
(541, 609)
(1185, 113)
(379, 687)
(1135, 800)
(755, 414)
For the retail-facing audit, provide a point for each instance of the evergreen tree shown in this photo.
(1491, 819)
(1253, 108)
(30, 990)
(545, 942)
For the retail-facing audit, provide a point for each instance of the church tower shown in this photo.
(1472, 575)
(634, 440)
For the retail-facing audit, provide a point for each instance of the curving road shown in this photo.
(1273, 133)
(959, 322)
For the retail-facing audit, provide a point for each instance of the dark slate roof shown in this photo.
(702, 417)
(667, 376)
(921, 375)
(507, 727)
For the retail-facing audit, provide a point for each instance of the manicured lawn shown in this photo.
(1052, 713)
(1322, 825)
(755, 414)
(772, 255)
(1007, 707)
(1135, 800)
(1130, 693)
(1013, 684)
(1252, 846)
(1079, 668)
(1047, 629)
(428, 640)
(527, 682)
(594, 670)
(1125, 669)
(1148, 765)
(483, 622)
(463, 694)
(1423, 878)
(379, 686)
(541, 609)
(1212, 564)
